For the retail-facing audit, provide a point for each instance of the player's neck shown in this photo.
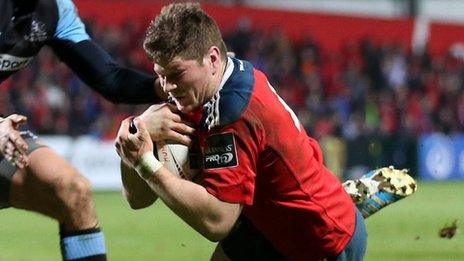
(219, 77)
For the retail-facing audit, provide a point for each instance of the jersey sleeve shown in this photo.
(70, 26)
(100, 72)
(230, 162)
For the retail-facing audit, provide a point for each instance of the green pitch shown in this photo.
(407, 230)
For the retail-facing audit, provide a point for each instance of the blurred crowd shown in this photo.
(365, 88)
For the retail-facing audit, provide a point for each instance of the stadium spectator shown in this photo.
(338, 80)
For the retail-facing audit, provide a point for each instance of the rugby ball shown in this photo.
(176, 158)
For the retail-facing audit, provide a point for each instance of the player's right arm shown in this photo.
(135, 190)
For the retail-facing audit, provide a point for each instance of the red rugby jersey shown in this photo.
(256, 153)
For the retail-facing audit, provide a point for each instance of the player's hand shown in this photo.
(131, 146)
(12, 145)
(163, 122)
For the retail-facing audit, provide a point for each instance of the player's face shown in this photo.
(188, 82)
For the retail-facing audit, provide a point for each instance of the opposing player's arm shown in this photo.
(135, 190)
(95, 66)
(97, 69)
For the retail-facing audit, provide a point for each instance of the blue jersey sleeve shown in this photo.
(70, 26)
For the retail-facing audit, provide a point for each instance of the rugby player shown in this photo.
(34, 177)
(263, 192)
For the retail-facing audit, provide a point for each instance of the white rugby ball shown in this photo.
(176, 158)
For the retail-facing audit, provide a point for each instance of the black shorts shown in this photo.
(245, 242)
(7, 169)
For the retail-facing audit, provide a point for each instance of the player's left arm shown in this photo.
(135, 190)
(96, 67)
(204, 212)
(207, 214)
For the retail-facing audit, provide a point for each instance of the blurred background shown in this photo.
(377, 82)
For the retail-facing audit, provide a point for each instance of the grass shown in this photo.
(407, 230)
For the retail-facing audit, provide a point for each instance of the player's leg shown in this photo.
(245, 242)
(356, 248)
(380, 188)
(51, 186)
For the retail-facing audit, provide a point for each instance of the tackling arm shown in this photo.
(97, 69)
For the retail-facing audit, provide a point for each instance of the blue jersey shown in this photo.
(27, 26)
(22, 35)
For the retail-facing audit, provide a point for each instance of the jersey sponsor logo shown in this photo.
(38, 32)
(220, 159)
(220, 151)
(13, 63)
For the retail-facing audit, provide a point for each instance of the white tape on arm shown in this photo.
(148, 165)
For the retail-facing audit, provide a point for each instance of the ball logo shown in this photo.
(163, 153)
(220, 158)
(175, 158)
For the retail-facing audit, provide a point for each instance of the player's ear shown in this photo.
(214, 57)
